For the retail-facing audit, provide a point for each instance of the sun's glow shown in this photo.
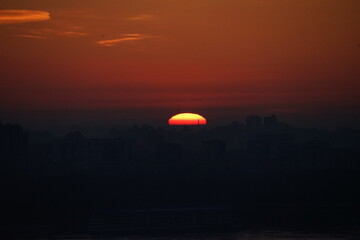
(187, 119)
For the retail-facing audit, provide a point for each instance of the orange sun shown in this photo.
(187, 119)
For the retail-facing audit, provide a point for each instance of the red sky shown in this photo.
(214, 57)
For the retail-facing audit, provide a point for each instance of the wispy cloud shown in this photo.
(31, 36)
(125, 38)
(141, 17)
(72, 33)
(22, 16)
(132, 35)
(48, 33)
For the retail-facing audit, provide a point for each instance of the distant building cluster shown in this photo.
(261, 145)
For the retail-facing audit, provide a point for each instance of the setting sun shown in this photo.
(187, 119)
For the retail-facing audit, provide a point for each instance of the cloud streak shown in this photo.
(125, 38)
(48, 33)
(72, 34)
(22, 16)
(142, 17)
(31, 36)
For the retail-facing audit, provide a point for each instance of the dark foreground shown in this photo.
(178, 181)
(350, 233)
(246, 222)
(243, 235)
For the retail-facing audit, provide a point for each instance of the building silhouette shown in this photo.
(253, 123)
(270, 123)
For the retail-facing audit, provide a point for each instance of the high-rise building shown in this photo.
(253, 123)
(270, 123)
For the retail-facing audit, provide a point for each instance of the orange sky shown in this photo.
(277, 56)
